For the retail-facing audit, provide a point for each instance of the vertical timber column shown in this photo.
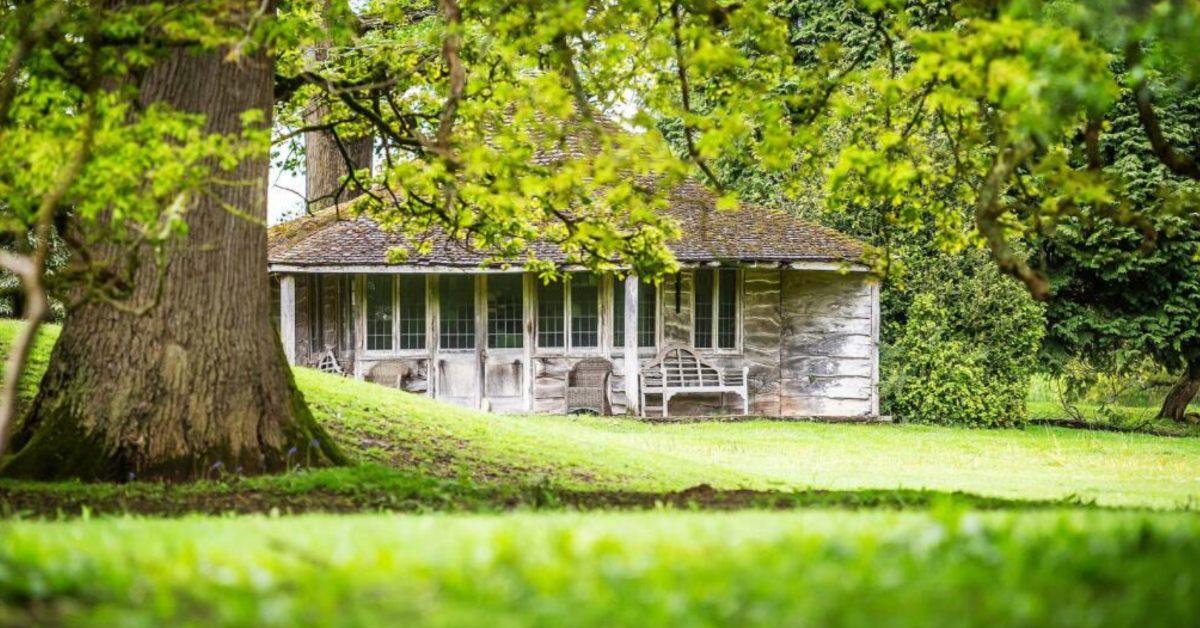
(287, 316)
(631, 344)
(875, 348)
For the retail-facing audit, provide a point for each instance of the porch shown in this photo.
(501, 340)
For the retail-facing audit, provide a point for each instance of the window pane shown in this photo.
(379, 312)
(585, 311)
(702, 317)
(412, 311)
(457, 311)
(727, 310)
(646, 313)
(506, 312)
(550, 306)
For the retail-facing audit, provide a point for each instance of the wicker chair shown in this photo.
(587, 386)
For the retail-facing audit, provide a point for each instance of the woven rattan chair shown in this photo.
(587, 386)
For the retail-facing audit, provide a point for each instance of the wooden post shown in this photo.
(631, 344)
(287, 316)
(875, 349)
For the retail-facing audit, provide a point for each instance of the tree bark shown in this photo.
(325, 166)
(198, 386)
(1182, 393)
(326, 163)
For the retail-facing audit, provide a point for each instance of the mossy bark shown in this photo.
(197, 386)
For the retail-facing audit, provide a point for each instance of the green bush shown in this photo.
(965, 349)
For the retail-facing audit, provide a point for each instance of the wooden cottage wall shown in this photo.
(828, 344)
(303, 343)
(761, 328)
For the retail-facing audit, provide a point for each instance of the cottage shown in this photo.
(785, 302)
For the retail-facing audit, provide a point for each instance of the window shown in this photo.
(715, 315)
(379, 312)
(411, 315)
(551, 306)
(568, 313)
(585, 311)
(457, 301)
(647, 314)
(505, 311)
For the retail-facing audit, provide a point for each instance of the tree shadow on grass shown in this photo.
(374, 488)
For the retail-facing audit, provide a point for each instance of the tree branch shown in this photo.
(30, 270)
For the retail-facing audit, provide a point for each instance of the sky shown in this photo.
(282, 204)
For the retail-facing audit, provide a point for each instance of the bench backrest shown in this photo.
(682, 368)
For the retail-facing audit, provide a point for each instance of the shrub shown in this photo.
(965, 349)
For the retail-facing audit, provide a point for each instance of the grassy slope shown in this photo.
(397, 429)
(946, 566)
(644, 569)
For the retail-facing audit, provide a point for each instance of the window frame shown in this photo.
(616, 284)
(476, 317)
(361, 288)
(738, 299)
(568, 348)
(487, 314)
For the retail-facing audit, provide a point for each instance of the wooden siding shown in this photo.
(827, 345)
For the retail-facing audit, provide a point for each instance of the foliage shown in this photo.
(67, 101)
(965, 346)
(646, 569)
(1122, 290)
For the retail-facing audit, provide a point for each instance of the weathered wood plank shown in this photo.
(677, 326)
(835, 387)
(820, 406)
(287, 316)
(828, 345)
(799, 365)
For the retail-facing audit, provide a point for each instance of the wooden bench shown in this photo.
(679, 370)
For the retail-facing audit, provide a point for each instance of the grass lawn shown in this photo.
(920, 525)
(432, 440)
(599, 569)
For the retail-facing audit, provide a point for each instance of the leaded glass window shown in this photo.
(551, 322)
(585, 310)
(727, 309)
(457, 311)
(715, 319)
(412, 312)
(702, 317)
(505, 312)
(379, 312)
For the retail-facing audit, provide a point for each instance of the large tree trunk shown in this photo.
(325, 166)
(1182, 393)
(198, 387)
(326, 163)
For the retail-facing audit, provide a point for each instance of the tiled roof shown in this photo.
(750, 233)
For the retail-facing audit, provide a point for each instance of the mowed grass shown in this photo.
(645, 569)
(855, 564)
(405, 431)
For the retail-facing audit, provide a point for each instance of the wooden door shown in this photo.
(458, 350)
(505, 357)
